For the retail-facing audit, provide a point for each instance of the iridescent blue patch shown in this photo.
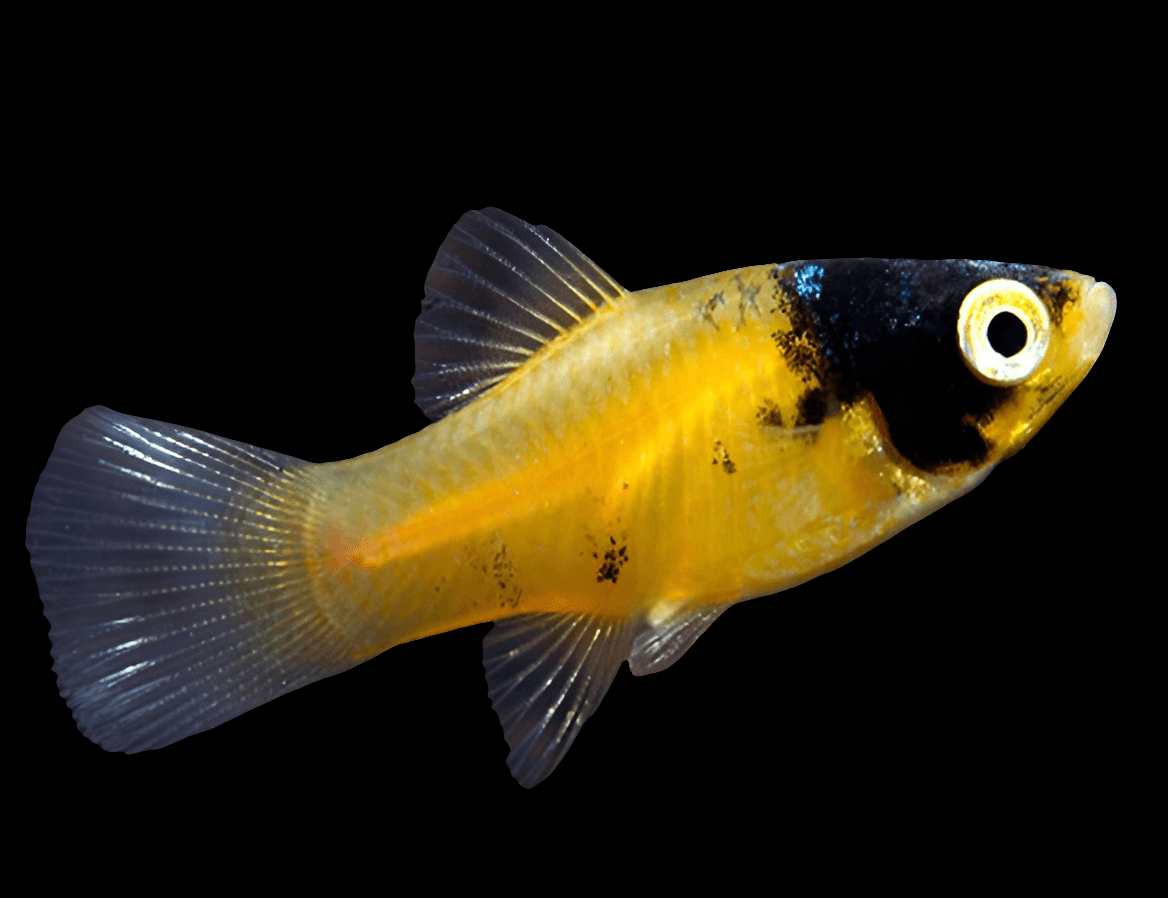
(809, 281)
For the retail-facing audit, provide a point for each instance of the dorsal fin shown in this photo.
(498, 290)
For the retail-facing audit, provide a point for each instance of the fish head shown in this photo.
(1034, 344)
(961, 361)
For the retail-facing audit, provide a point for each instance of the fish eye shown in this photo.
(1003, 330)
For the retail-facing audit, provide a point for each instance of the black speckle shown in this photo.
(722, 457)
(801, 346)
(746, 299)
(1057, 292)
(503, 574)
(709, 305)
(614, 560)
(801, 353)
(768, 414)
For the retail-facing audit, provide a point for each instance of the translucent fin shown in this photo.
(546, 674)
(170, 566)
(498, 290)
(656, 648)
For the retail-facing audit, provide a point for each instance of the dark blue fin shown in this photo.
(498, 290)
(171, 569)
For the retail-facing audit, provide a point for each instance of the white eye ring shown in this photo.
(983, 303)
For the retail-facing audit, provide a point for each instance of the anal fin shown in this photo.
(546, 674)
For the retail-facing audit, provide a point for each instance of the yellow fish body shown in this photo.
(607, 473)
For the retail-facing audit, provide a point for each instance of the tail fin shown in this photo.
(171, 564)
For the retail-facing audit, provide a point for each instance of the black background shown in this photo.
(253, 269)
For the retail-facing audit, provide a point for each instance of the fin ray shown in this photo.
(658, 648)
(499, 289)
(546, 675)
(170, 565)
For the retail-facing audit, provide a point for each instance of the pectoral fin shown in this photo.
(657, 647)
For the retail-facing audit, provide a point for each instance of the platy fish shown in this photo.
(607, 472)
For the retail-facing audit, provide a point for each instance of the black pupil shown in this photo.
(1007, 334)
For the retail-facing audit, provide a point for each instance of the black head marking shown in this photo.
(888, 328)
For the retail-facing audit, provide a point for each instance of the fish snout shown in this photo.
(1098, 312)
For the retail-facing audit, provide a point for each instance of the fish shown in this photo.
(606, 474)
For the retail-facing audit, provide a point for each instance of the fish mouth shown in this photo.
(1098, 306)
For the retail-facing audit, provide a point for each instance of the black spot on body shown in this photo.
(811, 407)
(722, 457)
(614, 560)
(502, 569)
(768, 414)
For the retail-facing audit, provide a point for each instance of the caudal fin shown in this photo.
(171, 564)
